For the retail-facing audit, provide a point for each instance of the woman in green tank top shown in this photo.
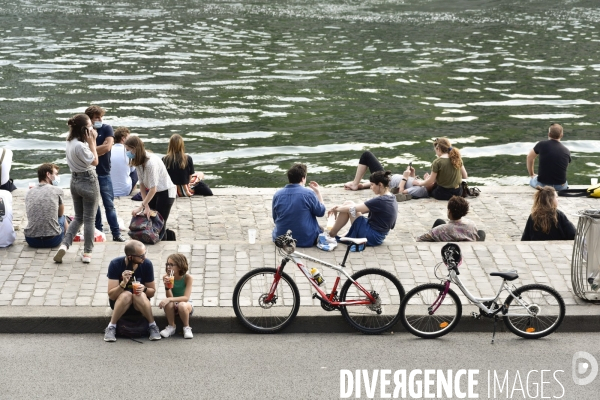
(178, 288)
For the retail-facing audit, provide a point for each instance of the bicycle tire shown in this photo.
(389, 291)
(541, 298)
(265, 318)
(428, 326)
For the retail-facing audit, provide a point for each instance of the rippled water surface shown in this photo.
(255, 86)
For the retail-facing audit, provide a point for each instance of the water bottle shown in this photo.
(594, 280)
(317, 276)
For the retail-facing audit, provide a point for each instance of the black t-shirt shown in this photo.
(383, 211)
(181, 176)
(103, 167)
(554, 160)
(564, 231)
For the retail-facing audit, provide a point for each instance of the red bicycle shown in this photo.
(266, 300)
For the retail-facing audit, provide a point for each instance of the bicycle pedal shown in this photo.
(475, 315)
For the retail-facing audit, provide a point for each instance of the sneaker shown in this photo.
(154, 335)
(110, 334)
(60, 253)
(119, 238)
(168, 331)
(86, 258)
(187, 332)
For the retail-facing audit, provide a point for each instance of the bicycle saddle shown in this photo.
(509, 276)
(353, 240)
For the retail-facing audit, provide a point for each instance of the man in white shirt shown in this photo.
(124, 177)
(7, 232)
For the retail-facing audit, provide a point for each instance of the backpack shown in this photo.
(132, 326)
(594, 191)
(146, 230)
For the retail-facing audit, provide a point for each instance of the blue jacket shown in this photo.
(296, 208)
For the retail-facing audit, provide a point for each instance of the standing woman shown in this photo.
(157, 190)
(383, 211)
(180, 167)
(447, 171)
(82, 159)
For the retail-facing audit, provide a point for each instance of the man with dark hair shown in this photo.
(130, 287)
(554, 160)
(458, 229)
(104, 143)
(124, 177)
(296, 208)
(46, 222)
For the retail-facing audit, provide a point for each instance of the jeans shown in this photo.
(51, 241)
(85, 192)
(107, 194)
(534, 183)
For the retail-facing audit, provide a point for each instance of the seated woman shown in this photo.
(447, 171)
(180, 167)
(458, 229)
(402, 184)
(123, 176)
(382, 210)
(546, 221)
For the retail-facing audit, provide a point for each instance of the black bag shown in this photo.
(132, 326)
(469, 192)
(170, 235)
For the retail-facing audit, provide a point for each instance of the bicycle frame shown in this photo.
(478, 301)
(296, 257)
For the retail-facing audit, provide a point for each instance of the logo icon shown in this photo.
(583, 363)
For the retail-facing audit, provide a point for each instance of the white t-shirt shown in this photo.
(6, 163)
(154, 174)
(7, 232)
(120, 170)
(79, 156)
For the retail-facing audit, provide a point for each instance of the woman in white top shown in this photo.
(82, 159)
(157, 190)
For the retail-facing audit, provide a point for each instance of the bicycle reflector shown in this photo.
(451, 256)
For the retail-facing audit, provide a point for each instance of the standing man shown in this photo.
(46, 222)
(554, 160)
(7, 231)
(104, 143)
(296, 208)
(122, 272)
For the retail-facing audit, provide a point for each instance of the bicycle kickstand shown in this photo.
(494, 334)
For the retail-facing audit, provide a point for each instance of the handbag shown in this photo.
(469, 192)
(146, 230)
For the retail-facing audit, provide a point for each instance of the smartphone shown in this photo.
(410, 164)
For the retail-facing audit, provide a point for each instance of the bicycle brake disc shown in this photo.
(264, 305)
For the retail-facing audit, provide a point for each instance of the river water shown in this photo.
(255, 86)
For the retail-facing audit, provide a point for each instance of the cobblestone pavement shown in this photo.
(212, 233)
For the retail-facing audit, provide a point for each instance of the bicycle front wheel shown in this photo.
(541, 312)
(259, 315)
(416, 316)
(381, 315)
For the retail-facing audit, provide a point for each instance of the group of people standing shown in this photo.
(296, 208)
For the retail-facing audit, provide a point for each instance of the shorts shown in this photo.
(361, 229)
(176, 305)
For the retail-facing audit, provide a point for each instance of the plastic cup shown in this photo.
(171, 282)
(594, 181)
(251, 236)
(136, 286)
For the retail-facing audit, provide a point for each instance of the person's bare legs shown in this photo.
(355, 184)
(121, 306)
(170, 313)
(142, 304)
(184, 309)
(342, 219)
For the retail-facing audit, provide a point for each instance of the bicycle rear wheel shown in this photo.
(415, 314)
(256, 314)
(544, 302)
(378, 317)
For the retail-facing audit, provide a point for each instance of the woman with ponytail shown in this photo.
(82, 159)
(447, 171)
(546, 221)
(382, 210)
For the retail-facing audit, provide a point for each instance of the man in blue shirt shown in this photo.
(104, 143)
(296, 208)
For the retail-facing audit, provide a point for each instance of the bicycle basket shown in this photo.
(451, 256)
(286, 242)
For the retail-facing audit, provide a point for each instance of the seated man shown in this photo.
(122, 271)
(46, 222)
(124, 177)
(554, 160)
(296, 208)
(6, 183)
(7, 231)
(458, 229)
